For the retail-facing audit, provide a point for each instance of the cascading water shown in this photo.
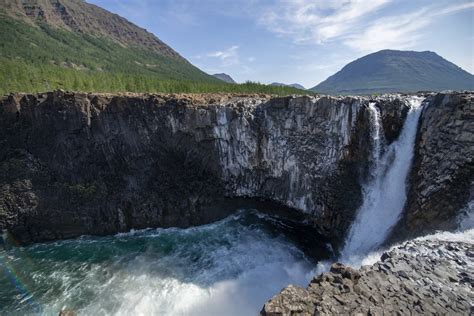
(385, 192)
(377, 134)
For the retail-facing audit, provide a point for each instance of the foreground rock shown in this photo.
(428, 277)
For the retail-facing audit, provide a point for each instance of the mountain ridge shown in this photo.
(293, 85)
(397, 71)
(224, 77)
(74, 45)
(83, 17)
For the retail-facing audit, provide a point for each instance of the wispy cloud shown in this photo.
(227, 60)
(401, 31)
(228, 57)
(396, 32)
(353, 23)
(318, 21)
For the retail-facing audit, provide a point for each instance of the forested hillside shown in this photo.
(73, 45)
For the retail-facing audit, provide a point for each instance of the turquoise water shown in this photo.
(230, 267)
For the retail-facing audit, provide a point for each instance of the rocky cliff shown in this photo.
(442, 177)
(77, 164)
(420, 277)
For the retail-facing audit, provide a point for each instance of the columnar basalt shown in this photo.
(442, 177)
(77, 164)
(422, 277)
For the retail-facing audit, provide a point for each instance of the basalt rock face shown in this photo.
(421, 277)
(442, 177)
(75, 164)
(393, 116)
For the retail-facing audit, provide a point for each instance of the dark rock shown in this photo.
(292, 300)
(394, 113)
(74, 164)
(442, 176)
(388, 292)
(67, 312)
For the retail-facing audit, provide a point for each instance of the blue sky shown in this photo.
(301, 41)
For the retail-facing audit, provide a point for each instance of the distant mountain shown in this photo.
(294, 85)
(72, 44)
(397, 71)
(224, 77)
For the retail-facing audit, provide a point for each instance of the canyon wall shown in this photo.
(442, 177)
(77, 164)
(74, 164)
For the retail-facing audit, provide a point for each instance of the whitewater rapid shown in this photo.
(230, 267)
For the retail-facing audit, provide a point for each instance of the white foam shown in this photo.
(225, 268)
(464, 233)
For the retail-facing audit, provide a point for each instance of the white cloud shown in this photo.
(228, 57)
(401, 31)
(454, 8)
(318, 21)
(226, 60)
(353, 22)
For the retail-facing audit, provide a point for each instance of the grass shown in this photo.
(35, 59)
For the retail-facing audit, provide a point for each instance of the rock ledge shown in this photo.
(419, 277)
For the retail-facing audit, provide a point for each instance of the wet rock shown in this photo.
(292, 300)
(394, 112)
(442, 177)
(387, 291)
(67, 312)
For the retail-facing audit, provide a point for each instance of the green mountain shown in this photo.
(397, 71)
(70, 44)
(224, 77)
(294, 85)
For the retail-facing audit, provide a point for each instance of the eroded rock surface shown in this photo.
(442, 177)
(77, 164)
(420, 277)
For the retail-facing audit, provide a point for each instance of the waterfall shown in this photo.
(376, 134)
(384, 194)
